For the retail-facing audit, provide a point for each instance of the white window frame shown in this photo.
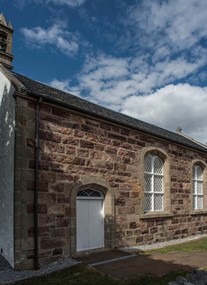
(153, 193)
(196, 181)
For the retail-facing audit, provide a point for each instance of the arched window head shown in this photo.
(153, 183)
(197, 187)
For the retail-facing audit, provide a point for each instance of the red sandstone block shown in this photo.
(139, 239)
(119, 166)
(43, 186)
(132, 225)
(79, 161)
(61, 112)
(86, 144)
(30, 143)
(105, 126)
(126, 210)
(42, 209)
(82, 152)
(87, 128)
(57, 251)
(56, 187)
(63, 200)
(62, 222)
(99, 147)
(45, 108)
(54, 137)
(60, 232)
(70, 141)
(125, 132)
(50, 118)
(115, 136)
(51, 243)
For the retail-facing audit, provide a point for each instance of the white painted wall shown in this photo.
(7, 123)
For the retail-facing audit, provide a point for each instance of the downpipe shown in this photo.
(36, 186)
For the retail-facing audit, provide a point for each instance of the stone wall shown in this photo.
(78, 151)
(7, 133)
(24, 184)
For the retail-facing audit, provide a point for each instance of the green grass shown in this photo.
(83, 275)
(74, 275)
(195, 245)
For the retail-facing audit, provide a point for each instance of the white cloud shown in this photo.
(172, 106)
(108, 79)
(70, 3)
(56, 36)
(178, 23)
(64, 85)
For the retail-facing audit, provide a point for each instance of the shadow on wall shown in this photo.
(7, 117)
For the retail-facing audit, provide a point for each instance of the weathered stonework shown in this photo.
(7, 141)
(77, 152)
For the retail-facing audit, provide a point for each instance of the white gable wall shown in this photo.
(7, 123)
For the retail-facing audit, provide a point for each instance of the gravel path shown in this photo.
(8, 274)
(197, 277)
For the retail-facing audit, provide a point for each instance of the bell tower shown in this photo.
(6, 32)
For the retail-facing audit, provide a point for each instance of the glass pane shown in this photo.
(148, 163)
(89, 193)
(194, 172)
(157, 184)
(147, 202)
(158, 201)
(148, 183)
(158, 164)
(199, 187)
(199, 173)
(200, 202)
(194, 187)
(194, 202)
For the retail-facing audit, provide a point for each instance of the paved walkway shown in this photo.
(125, 265)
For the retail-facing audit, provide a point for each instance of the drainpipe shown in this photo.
(36, 184)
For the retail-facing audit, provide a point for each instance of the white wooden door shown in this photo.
(90, 222)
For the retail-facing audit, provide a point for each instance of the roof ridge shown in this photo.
(179, 131)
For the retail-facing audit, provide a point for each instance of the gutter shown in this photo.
(36, 184)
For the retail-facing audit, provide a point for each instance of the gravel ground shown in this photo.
(197, 277)
(8, 274)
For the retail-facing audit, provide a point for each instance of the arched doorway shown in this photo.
(89, 219)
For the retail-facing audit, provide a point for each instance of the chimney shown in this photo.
(6, 32)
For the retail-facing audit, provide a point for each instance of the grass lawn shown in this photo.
(83, 275)
(194, 245)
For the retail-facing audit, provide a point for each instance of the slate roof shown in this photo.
(51, 94)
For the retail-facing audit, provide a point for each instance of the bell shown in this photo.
(2, 47)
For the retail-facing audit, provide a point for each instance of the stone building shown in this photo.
(76, 176)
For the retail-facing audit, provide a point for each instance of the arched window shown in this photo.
(197, 187)
(153, 183)
(89, 194)
(3, 39)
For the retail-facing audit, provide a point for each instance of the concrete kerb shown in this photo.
(161, 244)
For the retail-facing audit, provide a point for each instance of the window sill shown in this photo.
(156, 215)
(198, 212)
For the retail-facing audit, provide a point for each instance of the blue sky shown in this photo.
(145, 58)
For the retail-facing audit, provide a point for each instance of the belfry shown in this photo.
(6, 32)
